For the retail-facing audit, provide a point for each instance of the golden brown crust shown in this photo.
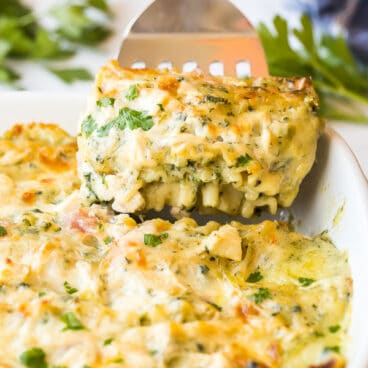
(212, 143)
(37, 163)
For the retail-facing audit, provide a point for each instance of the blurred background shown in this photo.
(88, 32)
(58, 45)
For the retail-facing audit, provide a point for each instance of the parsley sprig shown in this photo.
(22, 36)
(33, 358)
(133, 119)
(152, 240)
(341, 82)
(71, 322)
(69, 288)
(261, 295)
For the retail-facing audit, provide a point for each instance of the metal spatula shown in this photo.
(212, 35)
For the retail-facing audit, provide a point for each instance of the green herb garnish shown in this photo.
(327, 59)
(33, 358)
(69, 288)
(161, 107)
(261, 295)
(130, 118)
(88, 126)
(243, 160)
(108, 240)
(88, 184)
(335, 349)
(3, 231)
(137, 119)
(132, 93)
(254, 277)
(334, 329)
(24, 37)
(105, 101)
(108, 341)
(71, 322)
(104, 130)
(305, 281)
(152, 240)
(70, 75)
(76, 25)
(204, 269)
(215, 99)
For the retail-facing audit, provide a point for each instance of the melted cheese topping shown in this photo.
(151, 138)
(37, 167)
(105, 291)
(82, 286)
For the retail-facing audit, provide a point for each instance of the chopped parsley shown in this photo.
(132, 93)
(71, 322)
(133, 119)
(104, 130)
(243, 160)
(88, 126)
(261, 295)
(25, 37)
(33, 358)
(3, 231)
(70, 75)
(161, 107)
(108, 341)
(305, 281)
(335, 349)
(137, 119)
(298, 51)
(215, 99)
(69, 288)
(204, 269)
(75, 24)
(334, 329)
(108, 240)
(255, 277)
(152, 240)
(105, 101)
(88, 184)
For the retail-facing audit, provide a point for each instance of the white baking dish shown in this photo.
(334, 196)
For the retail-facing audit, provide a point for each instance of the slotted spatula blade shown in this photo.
(212, 35)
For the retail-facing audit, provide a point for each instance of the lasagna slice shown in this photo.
(84, 287)
(151, 138)
(37, 167)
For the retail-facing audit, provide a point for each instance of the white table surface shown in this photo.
(36, 78)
